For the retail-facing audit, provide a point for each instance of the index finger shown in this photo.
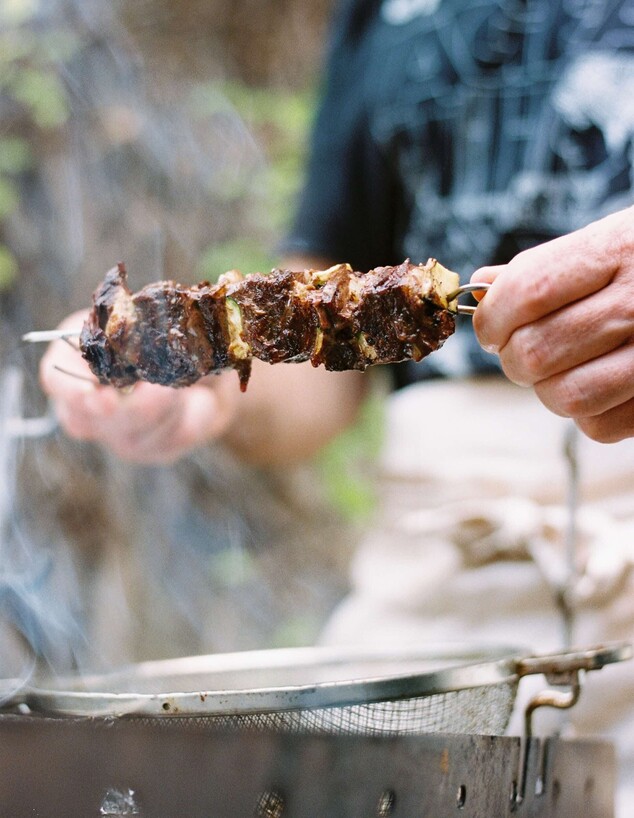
(544, 279)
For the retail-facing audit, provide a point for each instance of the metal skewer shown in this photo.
(571, 453)
(47, 335)
(465, 309)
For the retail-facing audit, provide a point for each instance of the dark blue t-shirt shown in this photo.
(467, 131)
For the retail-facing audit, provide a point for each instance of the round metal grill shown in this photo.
(323, 691)
(478, 711)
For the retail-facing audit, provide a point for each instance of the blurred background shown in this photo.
(171, 136)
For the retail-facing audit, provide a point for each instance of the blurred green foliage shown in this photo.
(34, 97)
(279, 119)
(246, 254)
(40, 93)
(15, 155)
(8, 267)
(347, 465)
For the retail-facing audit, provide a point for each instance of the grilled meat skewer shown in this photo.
(173, 335)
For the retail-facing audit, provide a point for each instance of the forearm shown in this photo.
(290, 411)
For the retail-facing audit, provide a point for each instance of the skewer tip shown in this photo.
(46, 336)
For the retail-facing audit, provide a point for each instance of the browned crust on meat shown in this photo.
(170, 334)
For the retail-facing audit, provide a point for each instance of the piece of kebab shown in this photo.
(171, 334)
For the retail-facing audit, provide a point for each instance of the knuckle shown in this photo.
(598, 429)
(566, 396)
(528, 354)
(570, 399)
(621, 239)
(537, 291)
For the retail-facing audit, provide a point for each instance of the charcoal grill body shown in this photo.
(166, 768)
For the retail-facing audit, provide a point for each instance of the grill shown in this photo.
(303, 732)
(163, 768)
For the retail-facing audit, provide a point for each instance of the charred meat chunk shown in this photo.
(173, 335)
(158, 334)
(279, 321)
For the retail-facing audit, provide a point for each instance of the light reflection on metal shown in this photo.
(47, 335)
(271, 804)
(12, 425)
(117, 803)
(18, 427)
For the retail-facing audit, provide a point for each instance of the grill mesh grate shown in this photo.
(481, 710)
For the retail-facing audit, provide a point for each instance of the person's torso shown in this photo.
(504, 123)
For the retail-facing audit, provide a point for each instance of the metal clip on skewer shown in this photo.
(466, 309)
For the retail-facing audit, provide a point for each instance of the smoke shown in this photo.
(105, 563)
(35, 623)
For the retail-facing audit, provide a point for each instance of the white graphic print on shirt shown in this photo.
(399, 12)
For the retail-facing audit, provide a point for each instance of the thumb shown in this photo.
(485, 275)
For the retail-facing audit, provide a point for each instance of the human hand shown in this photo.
(561, 318)
(147, 424)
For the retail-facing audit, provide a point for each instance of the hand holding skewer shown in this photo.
(560, 318)
(149, 424)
